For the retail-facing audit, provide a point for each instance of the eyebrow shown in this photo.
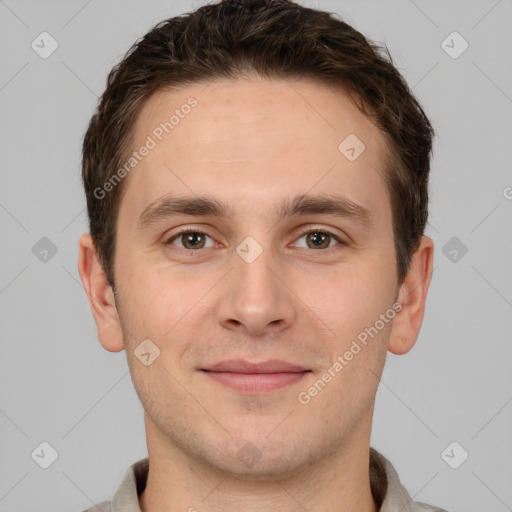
(304, 204)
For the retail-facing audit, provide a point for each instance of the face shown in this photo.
(258, 313)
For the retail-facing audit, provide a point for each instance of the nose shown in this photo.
(257, 297)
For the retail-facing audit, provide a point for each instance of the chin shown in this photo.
(258, 459)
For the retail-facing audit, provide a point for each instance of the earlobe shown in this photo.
(100, 296)
(412, 298)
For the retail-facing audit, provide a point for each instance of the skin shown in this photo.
(253, 143)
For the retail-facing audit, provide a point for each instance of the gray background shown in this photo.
(60, 386)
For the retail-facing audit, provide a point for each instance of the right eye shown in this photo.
(190, 239)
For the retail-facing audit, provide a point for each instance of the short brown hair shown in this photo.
(272, 39)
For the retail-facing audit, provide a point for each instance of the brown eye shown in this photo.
(318, 239)
(190, 239)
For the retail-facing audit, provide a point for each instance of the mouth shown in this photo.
(255, 378)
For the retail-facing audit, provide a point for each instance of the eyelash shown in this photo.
(192, 230)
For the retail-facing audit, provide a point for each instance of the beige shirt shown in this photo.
(387, 490)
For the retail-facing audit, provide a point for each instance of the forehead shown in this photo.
(260, 138)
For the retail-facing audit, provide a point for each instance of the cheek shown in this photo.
(147, 312)
(348, 298)
(164, 306)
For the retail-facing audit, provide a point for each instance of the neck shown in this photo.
(339, 482)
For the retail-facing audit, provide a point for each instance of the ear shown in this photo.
(100, 295)
(412, 296)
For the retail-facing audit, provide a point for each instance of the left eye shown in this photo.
(193, 239)
(319, 239)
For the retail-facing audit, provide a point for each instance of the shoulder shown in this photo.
(390, 489)
(423, 507)
(104, 506)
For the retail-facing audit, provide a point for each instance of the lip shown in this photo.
(247, 377)
(243, 366)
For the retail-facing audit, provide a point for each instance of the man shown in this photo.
(256, 178)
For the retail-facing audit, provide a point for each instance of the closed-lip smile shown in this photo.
(255, 378)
